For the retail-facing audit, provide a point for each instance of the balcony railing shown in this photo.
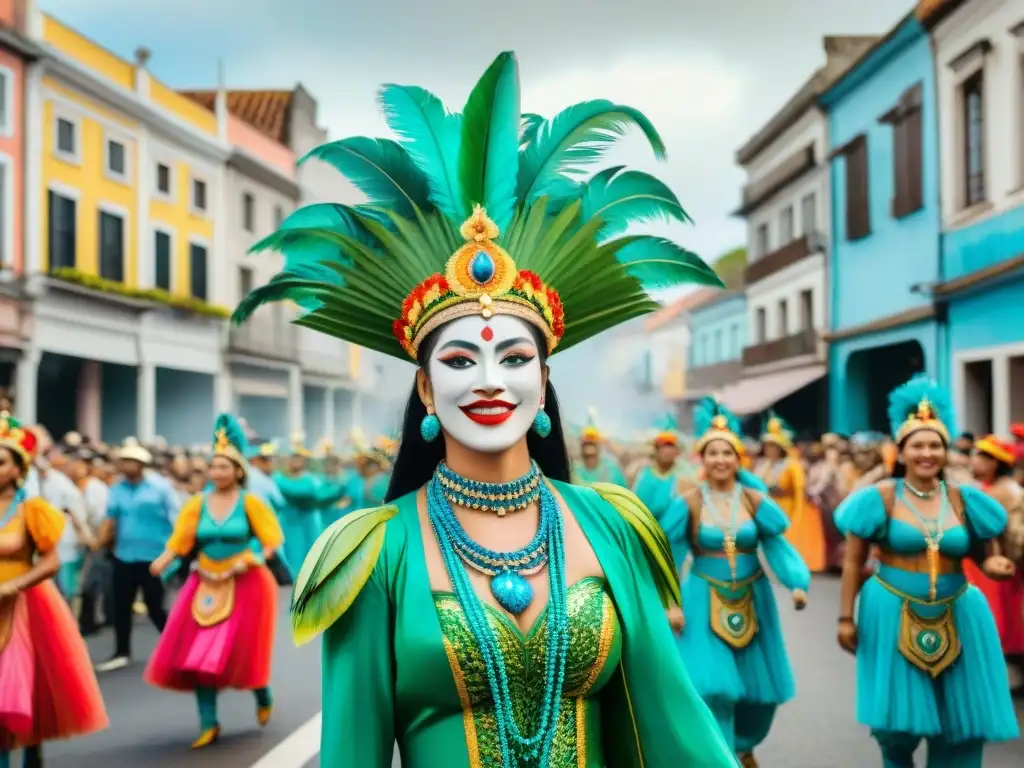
(268, 333)
(781, 258)
(714, 376)
(795, 345)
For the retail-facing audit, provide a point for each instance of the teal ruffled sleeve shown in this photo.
(986, 516)
(786, 563)
(862, 514)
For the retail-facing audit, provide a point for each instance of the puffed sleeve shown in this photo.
(183, 539)
(862, 514)
(263, 522)
(987, 517)
(786, 563)
(44, 522)
(676, 524)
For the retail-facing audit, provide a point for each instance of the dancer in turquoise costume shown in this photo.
(300, 518)
(333, 493)
(658, 483)
(731, 641)
(259, 481)
(558, 652)
(372, 475)
(929, 664)
(594, 466)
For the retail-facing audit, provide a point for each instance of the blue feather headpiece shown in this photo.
(920, 404)
(713, 421)
(668, 430)
(481, 213)
(229, 440)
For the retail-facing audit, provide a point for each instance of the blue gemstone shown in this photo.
(512, 592)
(481, 269)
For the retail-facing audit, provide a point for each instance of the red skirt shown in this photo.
(233, 654)
(1006, 599)
(48, 689)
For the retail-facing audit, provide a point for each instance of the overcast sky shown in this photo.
(707, 72)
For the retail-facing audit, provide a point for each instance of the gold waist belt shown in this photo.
(216, 570)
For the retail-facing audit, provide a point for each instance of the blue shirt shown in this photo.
(144, 513)
(260, 484)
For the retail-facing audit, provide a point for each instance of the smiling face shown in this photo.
(924, 454)
(721, 462)
(486, 381)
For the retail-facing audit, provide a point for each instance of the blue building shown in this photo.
(886, 226)
(718, 334)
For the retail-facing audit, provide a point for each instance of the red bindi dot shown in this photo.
(486, 334)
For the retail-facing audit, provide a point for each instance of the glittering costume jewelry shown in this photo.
(919, 493)
(548, 545)
(933, 531)
(499, 498)
(727, 527)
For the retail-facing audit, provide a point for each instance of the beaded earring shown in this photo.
(430, 427)
(542, 423)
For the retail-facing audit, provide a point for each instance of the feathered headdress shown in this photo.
(920, 404)
(1000, 450)
(325, 448)
(590, 433)
(713, 421)
(477, 214)
(229, 440)
(20, 441)
(298, 443)
(668, 431)
(777, 432)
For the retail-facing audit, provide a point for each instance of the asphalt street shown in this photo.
(153, 729)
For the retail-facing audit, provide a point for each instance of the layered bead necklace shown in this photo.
(513, 593)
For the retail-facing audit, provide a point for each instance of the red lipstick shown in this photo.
(488, 413)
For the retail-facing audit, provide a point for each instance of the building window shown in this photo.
(246, 282)
(198, 196)
(116, 160)
(67, 138)
(809, 214)
(761, 325)
(6, 102)
(783, 318)
(278, 216)
(163, 179)
(63, 231)
(762, 241)
(111, 247)
(786, 226)
(197, 270)
(248, 212)
(163, 269)
(858, 217)
(807, 309)
(719, 352)
(973, 101)
(907, 154)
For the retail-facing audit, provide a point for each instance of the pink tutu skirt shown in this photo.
(47, 686)
(233, 654)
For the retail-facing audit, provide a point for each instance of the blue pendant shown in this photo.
(512, 592)
(481, 268)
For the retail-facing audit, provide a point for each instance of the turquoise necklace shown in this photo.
(547, 547)
(728, 528)
(500, 498)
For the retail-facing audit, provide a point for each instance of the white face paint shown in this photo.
(487, 381)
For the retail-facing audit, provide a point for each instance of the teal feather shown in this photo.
(667, 423)
(528, 128)
(379, 168)
(904, 400)
(575, 137)
(620, 198)
(490, 140)
(659, 263)
(432, 136)
(233, 431)
(706, 410)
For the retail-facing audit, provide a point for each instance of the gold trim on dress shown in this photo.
(931, 644)
(468, 719)
(213, 602)
(733, 619)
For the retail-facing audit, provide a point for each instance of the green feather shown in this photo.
(232, 431)
(336, 570)
(528, 128)
(659, 263)
(490, 140)
(621, 198)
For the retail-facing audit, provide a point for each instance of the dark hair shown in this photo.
(417, 459)
(969, 436)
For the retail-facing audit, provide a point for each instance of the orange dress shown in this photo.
(805, 533)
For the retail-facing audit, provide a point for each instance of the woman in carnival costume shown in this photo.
(301, 518)
(781, 470)
(657, 483)
(929, 664)
(427, 617)
(220, 633)
(732, 639)
(47, 686)
(593, 466)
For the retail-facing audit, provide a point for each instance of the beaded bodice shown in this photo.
(594, 652)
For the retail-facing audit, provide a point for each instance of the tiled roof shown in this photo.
(688, 302)
(266, 111)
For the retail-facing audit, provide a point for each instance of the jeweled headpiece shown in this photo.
(919, 404)
(713, 421)
(777, 432)
(998, 449)
(229, 440)
(15, 438)
(483, 212)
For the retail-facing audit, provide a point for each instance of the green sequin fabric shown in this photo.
(594, 652)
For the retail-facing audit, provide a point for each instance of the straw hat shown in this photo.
(132, 450)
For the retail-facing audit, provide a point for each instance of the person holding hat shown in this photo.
(140, 517)
(300, 516)
(47, 686)
(220, 633)
(782, 471)
(593, 466)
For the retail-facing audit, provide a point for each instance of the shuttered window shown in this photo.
(858, 217)
(907, 153)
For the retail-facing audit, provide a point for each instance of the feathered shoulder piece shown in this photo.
(480, 213)
(713, 421)
(336, 570)
(777, 431)
(229, 439)
(920, 404)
